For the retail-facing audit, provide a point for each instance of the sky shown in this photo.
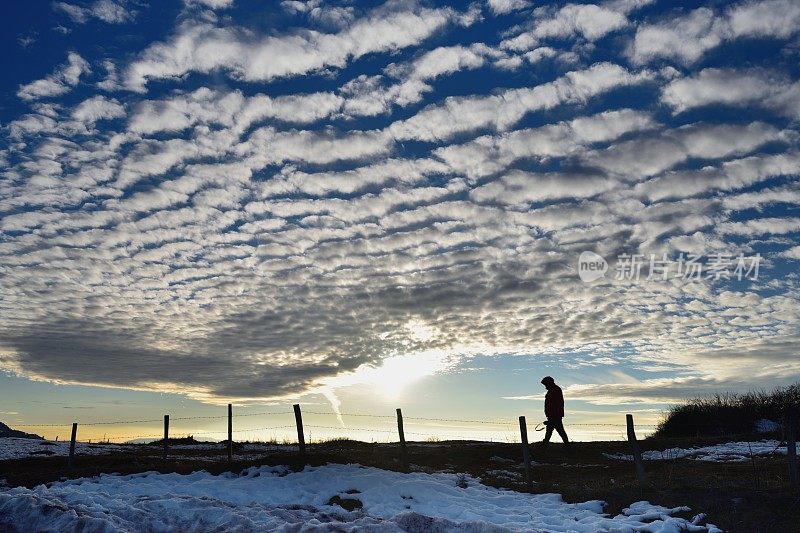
(360, 206)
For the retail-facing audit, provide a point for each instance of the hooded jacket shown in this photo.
(554, 402)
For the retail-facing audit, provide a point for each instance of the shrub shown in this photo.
(728, 413)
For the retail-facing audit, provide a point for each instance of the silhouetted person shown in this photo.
(554, 411)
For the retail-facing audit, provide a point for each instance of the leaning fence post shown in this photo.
(298, 418)
(637, 454)
(791, 448)
(526, 453)
(402, 434)
(71, 461)
(230, 432)
(166, 436)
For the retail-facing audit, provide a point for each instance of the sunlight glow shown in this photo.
(395, 374)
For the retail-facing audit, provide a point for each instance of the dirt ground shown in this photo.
(743, 497)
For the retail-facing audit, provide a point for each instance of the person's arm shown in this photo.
(548, 404)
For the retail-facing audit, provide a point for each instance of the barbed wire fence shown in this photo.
(427, 428)
(389, 429)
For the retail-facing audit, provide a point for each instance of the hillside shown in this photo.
(6, 431)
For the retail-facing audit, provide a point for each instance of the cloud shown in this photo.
(686, 39)
(649, 156)
(98, 108)
(463, 114)
(60, 82)
(107, 11)
(588, 21)
(212, 4)
(731, 175)
(501, 7)
(792, 253)
(761, 226)
(490, 154)
(734, 87)
(520, 188)
(274, 211)
(198, 47)
(231, 109)
(371, 95)
(761, 361)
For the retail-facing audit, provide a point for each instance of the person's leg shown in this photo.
(559, 427)
(548, 433)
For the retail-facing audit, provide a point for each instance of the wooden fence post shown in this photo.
(791, 448)
(298, 418)
(402, 434)
(166, 436)
(637, 454)
(71, 461)
(526, 453)
(230, 432)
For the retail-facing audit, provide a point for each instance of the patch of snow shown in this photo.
(16, 448)
(729, 452)
(269, 498)
(767, 426)
(504, 474)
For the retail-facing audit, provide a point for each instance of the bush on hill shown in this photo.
(730, 413)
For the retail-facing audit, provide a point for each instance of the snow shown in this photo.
(765, 425)
(730, 452)
(16, 448)
(273, 498)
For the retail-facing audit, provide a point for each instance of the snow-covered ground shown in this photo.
(14, 448)
(273, 498)
(729, 452)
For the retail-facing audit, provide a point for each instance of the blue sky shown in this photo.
(369, 205)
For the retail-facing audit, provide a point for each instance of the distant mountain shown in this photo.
(175, 441)
(6, 431)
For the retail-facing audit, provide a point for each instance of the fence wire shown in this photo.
(496, 428)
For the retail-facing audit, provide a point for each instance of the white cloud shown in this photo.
(731, 175)
(501, 7)
(59, 82)
(107, 11)
(760, 226)
(689, 37)
(204, 48)
(644, 157)
(231, 109)
(367, 95)
(290, 232)
(490, 154)
(770, 18)
(792, 253)
(98, 108)
(734, 87)
(586, 20)
(521, 188)
(213, 4)
(461, 114)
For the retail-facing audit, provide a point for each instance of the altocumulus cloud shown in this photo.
(251, 206)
